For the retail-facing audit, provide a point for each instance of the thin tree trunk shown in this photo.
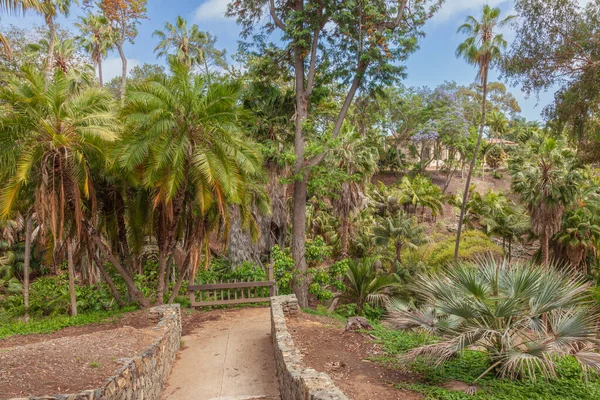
(162, 267)
(509, 249)
(399, 252)
(105, 276)
(545, 248)
(100, 76)
(123, 72)
(299, 239)
(27, 264)
(132, 289)
(472, 166)
(344, 234)
(51, 45)
(71, 265)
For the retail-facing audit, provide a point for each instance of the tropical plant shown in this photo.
(483, 48)
(546, 175)
(186, 137)
(363, 285)
(523, 316)
(400, 231)
(184, 44)
(97, 39)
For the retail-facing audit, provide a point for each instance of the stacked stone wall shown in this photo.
(296, 381)
(143, 376)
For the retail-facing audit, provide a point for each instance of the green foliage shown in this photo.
(317, 251)
(284, 269)
(497, 175)
(221, 270)
(325, 280)
(523, 317)
(56, 322)
(473, 244)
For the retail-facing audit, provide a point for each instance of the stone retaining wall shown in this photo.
(296, 381)
(143, 376)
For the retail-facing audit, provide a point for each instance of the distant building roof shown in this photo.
(501, 141)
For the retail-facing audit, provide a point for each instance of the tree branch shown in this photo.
(276, 19)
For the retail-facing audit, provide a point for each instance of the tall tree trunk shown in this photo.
(344, 234)
(509, 249)
(472, 166)
(51, 45)
(100, 75)
(27, 264)
(71, 265)
(399, 252)
(123, 72)
(162, 267)
(299, 239)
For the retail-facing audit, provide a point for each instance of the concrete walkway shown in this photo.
(227, 359)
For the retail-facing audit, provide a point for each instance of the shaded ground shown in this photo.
(345, 357)
(230, 356)
(68, 364)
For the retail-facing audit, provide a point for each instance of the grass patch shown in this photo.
(570, 384)
(55, 323)
(323, 312)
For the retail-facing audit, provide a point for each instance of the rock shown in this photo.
(358, 323)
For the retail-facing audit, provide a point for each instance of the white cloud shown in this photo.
(211, 10)
(111, 67)
(457, 8)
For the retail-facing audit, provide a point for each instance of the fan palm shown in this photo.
(185, 136)
(363, 285)
(523, 316)
(482, 48)
(50, 9)
(96, 38)
(357, 161)
(185, 44)
(547, 176)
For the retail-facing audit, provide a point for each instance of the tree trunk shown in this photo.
(299, 239)
(100, 77)
(123, 73)
(162, 268)
(472, 166)
(344, 234)
(399, 252)
(51, 45)
(509, 249)
(27, 264)
(131, 288)
(71, 265)
(545, 248)
(105, 276)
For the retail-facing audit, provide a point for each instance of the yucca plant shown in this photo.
(523, 316)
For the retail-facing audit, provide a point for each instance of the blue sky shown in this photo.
(433, 64)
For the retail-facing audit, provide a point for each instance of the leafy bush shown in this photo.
(473, 244)
(284, 269)
(497, 175)
(49, 295)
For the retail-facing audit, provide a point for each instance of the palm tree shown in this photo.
(401, 231)
(185, 135)
(96, 38)
(50, 10)
(55, 130)
(482, 48)
(523, 316)
(547, 176)
(580, 235)
(364, 286)
(63, 55)
(185, 44)
(357, 161)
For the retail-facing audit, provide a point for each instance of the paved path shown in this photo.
(227, 359)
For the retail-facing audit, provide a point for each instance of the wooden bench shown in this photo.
(220, 293)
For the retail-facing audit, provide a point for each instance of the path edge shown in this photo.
(143, 376)
(296, 381)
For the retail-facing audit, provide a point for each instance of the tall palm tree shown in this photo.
(63, 56)
(55, 130)
(482, 48)
(185, 44)
(50, 9)
(357, 161)
(185, 134)
(96, 38)
(547, 177)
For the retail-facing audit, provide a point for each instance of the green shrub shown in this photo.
(497, 175)
(473, 244)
